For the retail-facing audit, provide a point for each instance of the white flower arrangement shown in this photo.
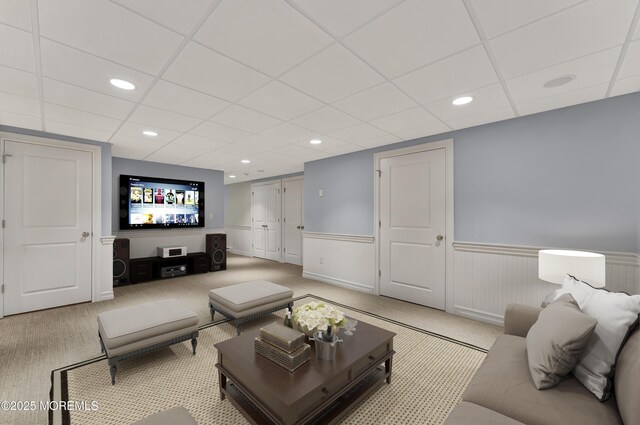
(318, 316)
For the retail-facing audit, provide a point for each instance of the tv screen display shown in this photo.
(154, 202)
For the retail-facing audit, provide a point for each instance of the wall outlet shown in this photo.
(211, 216)
(321, 260)
(321, 193)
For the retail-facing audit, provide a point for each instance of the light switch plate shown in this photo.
(321, 193)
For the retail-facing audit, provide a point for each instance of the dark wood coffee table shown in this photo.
(318, 392)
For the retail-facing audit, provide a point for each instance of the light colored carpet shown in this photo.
(428, 378)
(34, 344)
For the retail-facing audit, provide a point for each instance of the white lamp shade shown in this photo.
(555, 264)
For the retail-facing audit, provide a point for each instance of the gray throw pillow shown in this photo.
(556, 341)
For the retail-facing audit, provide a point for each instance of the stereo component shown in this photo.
(172, 251)
(217, 251)
(120, 261)
(173, 271)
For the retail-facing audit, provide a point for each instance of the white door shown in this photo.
(258, 222)
(265, 215)
(47, 235)
(412, 226)
(292, 218)
(272, 214)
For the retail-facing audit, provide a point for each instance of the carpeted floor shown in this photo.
(429, 375)
(34, 344)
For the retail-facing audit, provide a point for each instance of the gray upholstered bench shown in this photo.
(175, 416)
(131, 331)
(249, 300)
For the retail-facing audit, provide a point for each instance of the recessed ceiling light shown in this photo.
(245, 161)
(122, 84)
(231, 176)
(315, 141)
(463, 100)
(150, 133)
(560, 81)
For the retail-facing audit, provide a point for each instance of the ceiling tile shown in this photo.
(19, 104)
(179, 16)
(270, 36)
(359, 133)
(581, 30)
(78, 118)
(260, 143)
(589, 71)
(484, 99)
(81, 69)
(325, 120)
(564, 99)
(245, 119)
(181, 100)
(482, 118)
(16, 13)
(341, 17)
(194, 141)
(274, 158)
(219, 132)
(174, 153)
(416, 119)
(628, 85)
(376, 102)
(159, 118)
(299, 152)
(631, 64)
(17, 82)
(281, 101)
(141, 144)
(210, 160)
(333, 74)
(424, 131)
(209, 72)
(449, 76)
(414, 34)
(384, 140)
(90, 26)
(19, 120)
(16, 49)
(289, 133)
(134, 129)
(85, 100)
(237, 151)
(330, 145)
(130, 152)
(636, 36)
(499, 16)
(76, 131)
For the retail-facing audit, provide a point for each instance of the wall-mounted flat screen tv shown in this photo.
(154, 202)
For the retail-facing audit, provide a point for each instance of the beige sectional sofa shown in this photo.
(502, 391)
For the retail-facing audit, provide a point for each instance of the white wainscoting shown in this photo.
(144, 242)
(488, 277)
(342, 260)
(239, 239)
(106, 273)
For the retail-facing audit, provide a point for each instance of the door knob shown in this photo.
(302, 227)
(85, 234)
(439, 238)
(297, 227)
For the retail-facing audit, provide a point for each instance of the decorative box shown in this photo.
(282, 337)
(289, 361)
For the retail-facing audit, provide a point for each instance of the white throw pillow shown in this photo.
(617, 315)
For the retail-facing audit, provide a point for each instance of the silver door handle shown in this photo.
(85, 234)
(439, 238)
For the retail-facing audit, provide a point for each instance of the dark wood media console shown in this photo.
(148, 268)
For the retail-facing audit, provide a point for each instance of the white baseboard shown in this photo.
(239, 252)
(481, 316)
(107, 295)
(338, 282)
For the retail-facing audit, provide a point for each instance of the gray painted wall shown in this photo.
(105, 201)
(213, 186)
(237, 204)
(565, 178)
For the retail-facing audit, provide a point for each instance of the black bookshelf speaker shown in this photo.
(217, 251)
(120, 261)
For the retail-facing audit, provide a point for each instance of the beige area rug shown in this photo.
(430, 372)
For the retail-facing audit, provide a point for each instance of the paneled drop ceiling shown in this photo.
(222, 81)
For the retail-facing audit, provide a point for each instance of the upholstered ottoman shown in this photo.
(138, 329)
(175, 416)
(246, 301)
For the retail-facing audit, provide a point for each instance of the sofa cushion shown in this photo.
(472, 414)
(503, 383)
(556, 340)
(627, 380)
(617, 315)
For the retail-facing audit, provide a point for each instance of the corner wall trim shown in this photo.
(338, 282)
